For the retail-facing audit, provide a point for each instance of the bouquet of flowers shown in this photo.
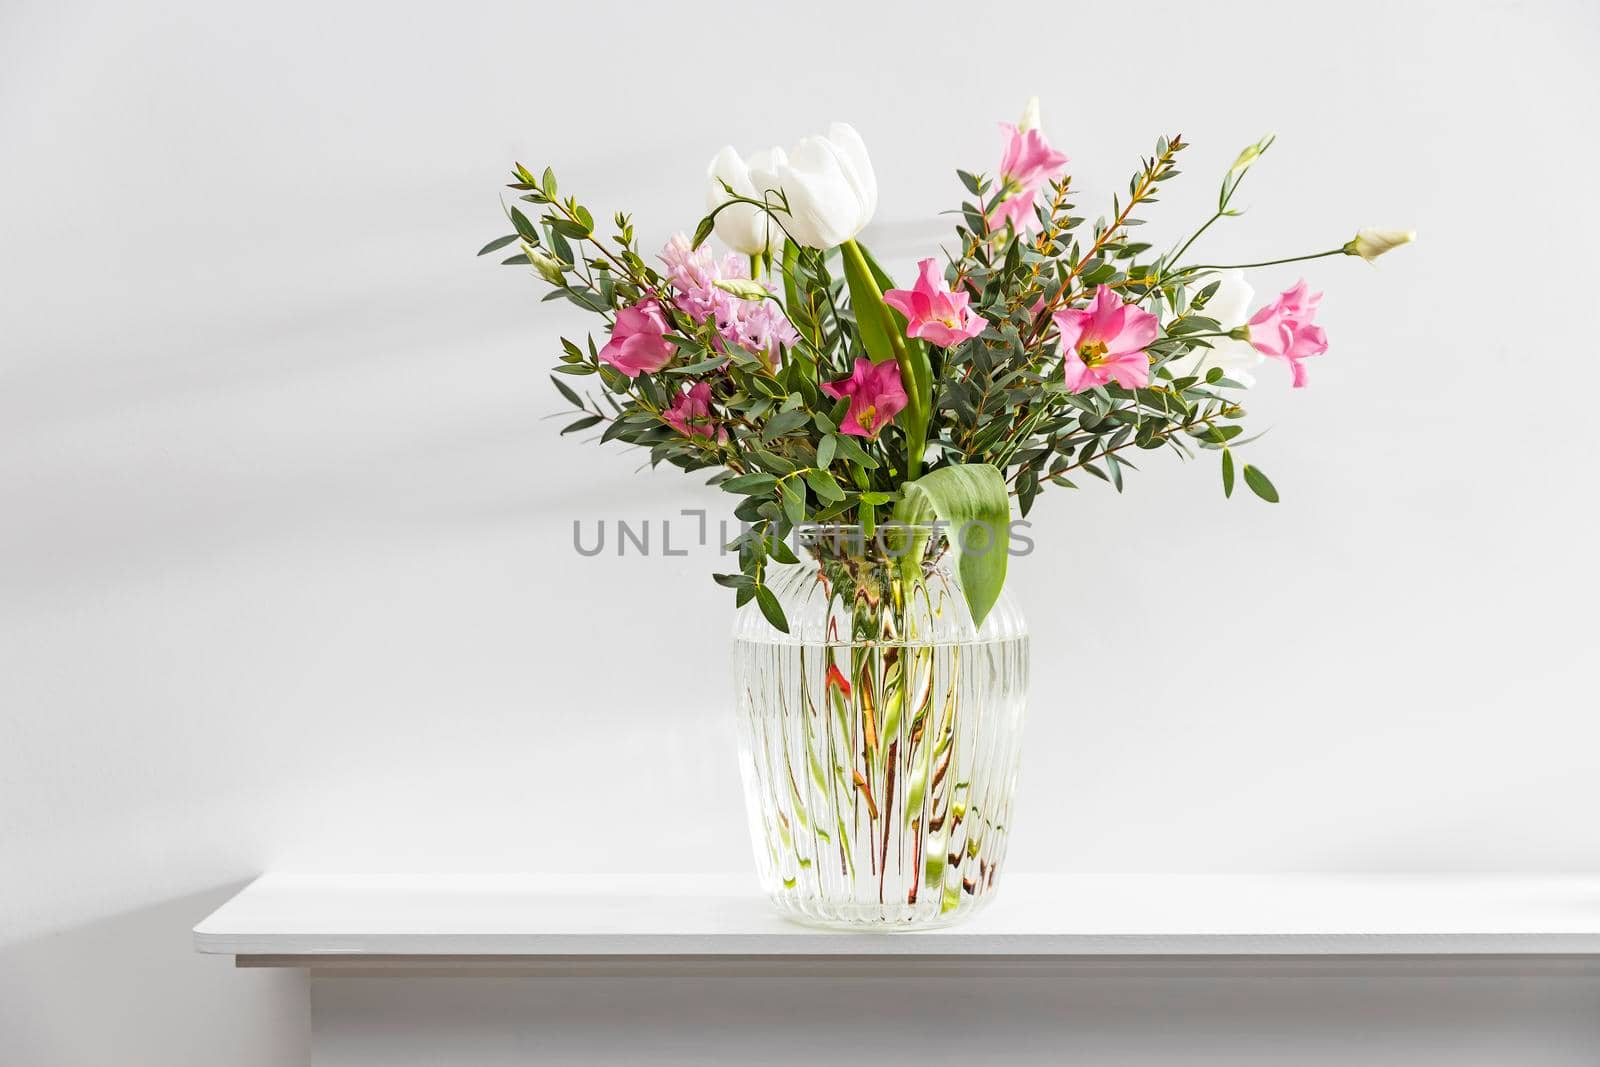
(1036, 348)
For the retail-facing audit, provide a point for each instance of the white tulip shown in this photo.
(1230, 306)
(828, 183)
(1370, 244)
(742, 227)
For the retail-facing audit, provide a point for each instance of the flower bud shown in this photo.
(548, 266)
(1370, 244)
(1250, 155)
(743, 288)
(1030, 115)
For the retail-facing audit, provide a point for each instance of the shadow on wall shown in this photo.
(94, 995)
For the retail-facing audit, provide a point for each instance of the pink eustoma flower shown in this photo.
(1284, 330)
(1028, 163)
(876, 397)
(932, 311)
(1029, 159)
(690, 413)
(1105, 342)
(637, 343)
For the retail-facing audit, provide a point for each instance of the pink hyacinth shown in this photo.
(759, 326)
(694, 273)
(1105, 342)
(932, 311)
(1028, 163)
(876, 397)
(1284, 330)
(637, 345)
(690, 413)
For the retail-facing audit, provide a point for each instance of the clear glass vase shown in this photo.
(880, 735)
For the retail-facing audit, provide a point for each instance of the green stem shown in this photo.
(1193, 238)
(1264, 263)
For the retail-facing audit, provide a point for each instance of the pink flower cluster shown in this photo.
(1028, 163)
(1284, 330)
(637, 344)
(690, 414)
(1106, 342)
(876, 395)
(933, 312)
(758, 326)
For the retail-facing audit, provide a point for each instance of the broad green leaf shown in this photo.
(972, 499)
(866, 300)
(1227, 473)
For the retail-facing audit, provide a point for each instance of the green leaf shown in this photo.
(1259, 485)
(771, 608)
(780, 551)
(703, 231)
(824, 485)
(794, 500)
(752, 484)
(567, 391)
(581, 424)
(866, 300)
(524, 227)
(825, 450)
(1227, 473)
(973, 500)
(497, 244)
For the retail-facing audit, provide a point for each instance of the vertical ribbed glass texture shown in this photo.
(880, 736)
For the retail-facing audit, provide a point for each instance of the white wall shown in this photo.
(285, 566)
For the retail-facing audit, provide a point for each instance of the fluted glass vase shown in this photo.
(880, 735)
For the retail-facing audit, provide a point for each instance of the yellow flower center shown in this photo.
(867, 416)
(1091, 352)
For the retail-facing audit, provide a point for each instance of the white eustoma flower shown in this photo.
(1370, 244)
(828, 182)
(742, 227)
(1230, 306)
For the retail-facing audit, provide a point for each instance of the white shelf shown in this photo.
(314, 920)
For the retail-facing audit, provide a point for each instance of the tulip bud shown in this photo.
(1030, 115)
(743, 288)
(1370, 244)
(548, 266)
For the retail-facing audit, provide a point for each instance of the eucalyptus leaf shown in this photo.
(1259, 484)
